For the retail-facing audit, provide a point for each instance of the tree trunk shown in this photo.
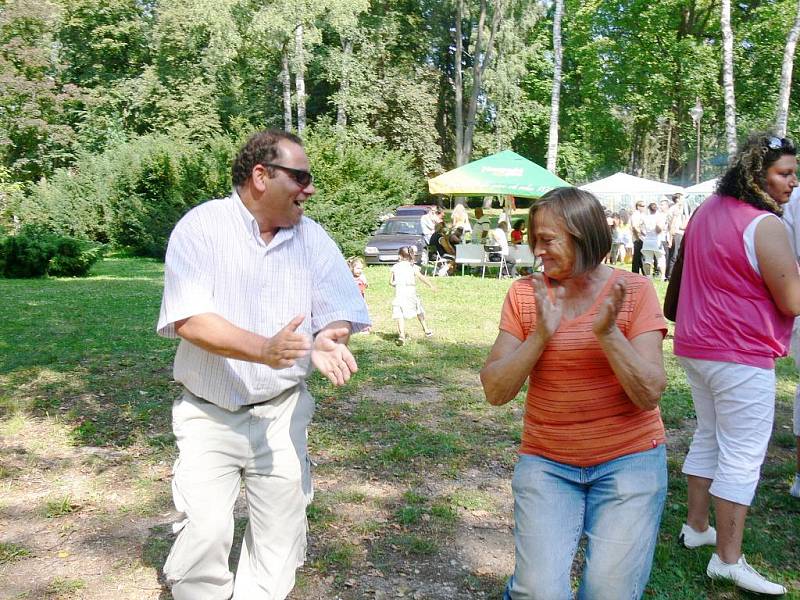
(552, 144)
(299, 78)
(665, 178)
(727, 78)
(344, 87)
(287, 88)
(782, 116)
(458, 83)
(481, 59)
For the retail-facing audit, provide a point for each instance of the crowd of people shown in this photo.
(649, 238)
(585, 336)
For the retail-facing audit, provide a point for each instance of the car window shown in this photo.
(400, 226)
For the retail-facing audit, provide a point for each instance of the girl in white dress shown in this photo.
(406, 303)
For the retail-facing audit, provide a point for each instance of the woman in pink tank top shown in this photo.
(740, 290)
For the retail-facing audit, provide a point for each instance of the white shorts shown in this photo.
(735, 406)
(407, 308)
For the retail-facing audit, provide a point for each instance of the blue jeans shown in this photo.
(617, 504)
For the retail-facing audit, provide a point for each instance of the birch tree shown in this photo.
(782, 115)
(552, 144)
(482, 54)
(727, 78)
(300, 76)
(342, 15)
(458, 84)
(286, 83)
(277, 33)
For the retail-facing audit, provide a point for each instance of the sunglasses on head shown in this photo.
(303, 178)
(776, 143)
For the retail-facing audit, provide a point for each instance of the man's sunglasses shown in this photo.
(303, 178)
(776, 143)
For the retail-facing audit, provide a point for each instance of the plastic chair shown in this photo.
(502, 264)
(435, 261)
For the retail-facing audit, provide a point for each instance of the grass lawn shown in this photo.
(412, 473)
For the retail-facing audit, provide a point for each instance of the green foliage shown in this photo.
(38, 110)
(11, 195)
(164, 182)
(133, 194)
(27, 254)
(356, 183)
(148, 204)
(102, 40)
(36, 252)
(59, 507)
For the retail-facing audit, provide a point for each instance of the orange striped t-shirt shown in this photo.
(576, 411)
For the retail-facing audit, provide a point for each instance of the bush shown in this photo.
(166, 179)
(36, 252)
(73, 258)
(28, 253)
(132, 194)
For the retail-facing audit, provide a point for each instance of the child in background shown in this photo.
(406, 303)
(357, 269)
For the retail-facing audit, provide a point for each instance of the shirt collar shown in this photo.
(250, 223)
(248, 220)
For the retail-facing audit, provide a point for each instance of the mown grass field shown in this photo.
(413, 467)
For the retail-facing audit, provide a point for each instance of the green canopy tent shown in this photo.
(502, 174)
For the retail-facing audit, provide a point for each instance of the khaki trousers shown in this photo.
(265, 445)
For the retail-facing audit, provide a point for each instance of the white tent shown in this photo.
(622, 190)
(695, 194)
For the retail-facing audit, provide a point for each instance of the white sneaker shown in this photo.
(795, 491)
(743, 575)
(694, 539)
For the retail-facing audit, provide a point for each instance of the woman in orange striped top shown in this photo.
(592, 460)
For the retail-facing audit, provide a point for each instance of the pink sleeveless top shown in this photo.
(725, 311)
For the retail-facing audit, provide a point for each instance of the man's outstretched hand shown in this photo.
(331, 356)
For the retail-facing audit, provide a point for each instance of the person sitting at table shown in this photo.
(434, 248)
(517, 232)
(455, 237)
(481, 228)
(499, 237)
(441, 248)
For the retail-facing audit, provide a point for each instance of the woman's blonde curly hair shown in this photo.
(746, 179)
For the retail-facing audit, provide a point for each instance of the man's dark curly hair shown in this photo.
(261, 148)
(746, 178)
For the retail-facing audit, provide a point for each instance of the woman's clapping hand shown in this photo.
(606, 319)
(548, 311)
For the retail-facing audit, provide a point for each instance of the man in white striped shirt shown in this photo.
(259, 295)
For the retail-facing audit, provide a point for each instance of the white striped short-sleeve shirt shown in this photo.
(217, 263)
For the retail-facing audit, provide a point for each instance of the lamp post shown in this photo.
(696, 113)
